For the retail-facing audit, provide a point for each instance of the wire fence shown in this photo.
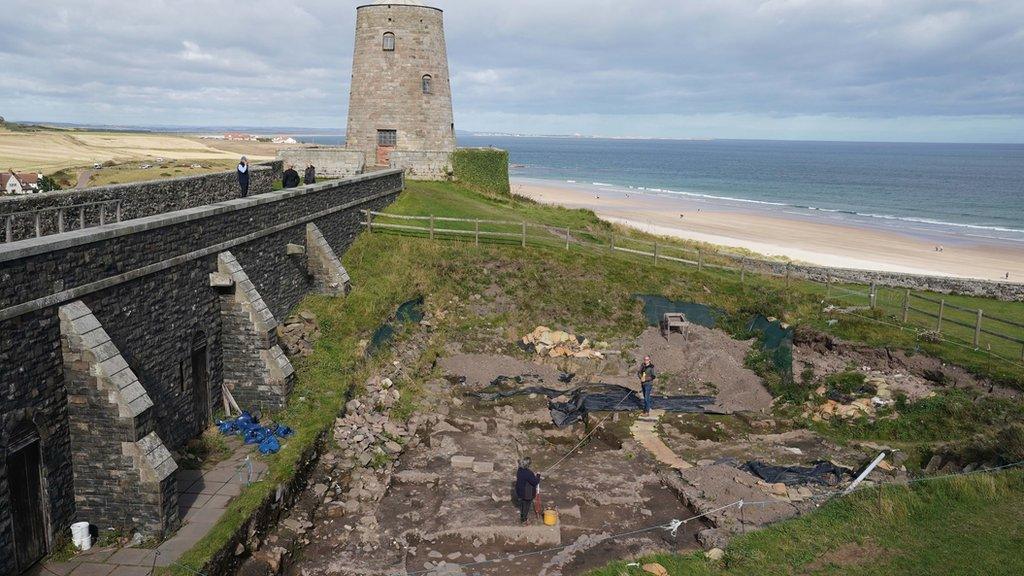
(931, 316)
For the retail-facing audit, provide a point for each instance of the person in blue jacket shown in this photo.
(526, 488)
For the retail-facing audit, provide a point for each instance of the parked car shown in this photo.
(97, 166)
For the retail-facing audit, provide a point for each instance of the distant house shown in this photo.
(239, 137)
(284, 140)
(20, 182)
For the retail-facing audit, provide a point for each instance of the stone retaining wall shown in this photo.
(1007, 291)
(154, 286)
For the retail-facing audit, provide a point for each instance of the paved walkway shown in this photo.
(203, 496)
(643, 431)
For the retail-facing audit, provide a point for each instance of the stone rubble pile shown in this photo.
(559, 344)
(298, 333)
(823, 407)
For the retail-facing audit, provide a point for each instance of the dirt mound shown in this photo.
(703, 356)
(916, 375)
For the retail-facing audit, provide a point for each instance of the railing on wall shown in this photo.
(968, 327)
(71, 217)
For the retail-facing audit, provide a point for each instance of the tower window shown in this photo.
(389, 42)
(428, 84)
(387, 138)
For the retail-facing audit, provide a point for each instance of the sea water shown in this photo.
(969, 190)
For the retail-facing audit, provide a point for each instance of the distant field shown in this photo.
(70, 152)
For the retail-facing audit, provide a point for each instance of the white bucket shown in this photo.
(80, 536)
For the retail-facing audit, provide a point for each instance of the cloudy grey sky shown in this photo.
(938, 70)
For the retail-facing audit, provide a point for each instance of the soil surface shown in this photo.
(433, 494)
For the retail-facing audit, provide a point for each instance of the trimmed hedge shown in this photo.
(482, 169)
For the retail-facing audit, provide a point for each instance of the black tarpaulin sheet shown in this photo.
(599, 398)
(822, 472)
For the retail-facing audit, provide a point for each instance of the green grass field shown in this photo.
(965, 526)
(592, 291)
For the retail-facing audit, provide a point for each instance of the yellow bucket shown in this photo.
(550, 517)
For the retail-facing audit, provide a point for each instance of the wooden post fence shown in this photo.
(828, 284)
(476, 231)
(655, 253)
(700, 260)
(942, 311)
(872, 296)
(906, 305)
(431, 226)
(743, 272)
(566, 238)
(977, 330)
(524, 234)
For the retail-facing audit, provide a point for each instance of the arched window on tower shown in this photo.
(389, 42)
(428, 87)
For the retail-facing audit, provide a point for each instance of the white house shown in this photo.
(20, 182)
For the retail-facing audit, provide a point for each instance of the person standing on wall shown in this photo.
(290, 178)
(646, 375)
(243, 176)
(526, 488)
(310, 176)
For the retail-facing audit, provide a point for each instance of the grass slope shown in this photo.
(590, 292)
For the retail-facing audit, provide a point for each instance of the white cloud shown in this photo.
(754, 67)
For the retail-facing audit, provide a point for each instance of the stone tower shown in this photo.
(400, 106)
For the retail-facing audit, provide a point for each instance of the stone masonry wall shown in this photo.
(256, 371)
(944, 284)
(330, 161)
(147, 281)
(423, 165)
(138, 199)
(122, 468)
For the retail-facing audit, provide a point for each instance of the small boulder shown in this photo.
(656, 569)
(715, 554)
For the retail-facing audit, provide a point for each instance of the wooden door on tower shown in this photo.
(386, 142)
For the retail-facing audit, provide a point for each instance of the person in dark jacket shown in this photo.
(310, 176)
(290, 178)
(526, 488)
(243, 176)
(646, 375)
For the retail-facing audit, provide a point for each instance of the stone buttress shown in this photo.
(256, 370)
(329, 276)
(124, 475)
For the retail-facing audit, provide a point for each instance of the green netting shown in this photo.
(775, 339)
(778, 342)
(656, 306)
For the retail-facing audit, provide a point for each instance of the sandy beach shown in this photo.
(802, 239)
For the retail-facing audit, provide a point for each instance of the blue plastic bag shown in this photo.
(270, 445)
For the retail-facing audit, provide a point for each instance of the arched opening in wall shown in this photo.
(25, 488)
(201, 378)
(428, 82)
(389, 42)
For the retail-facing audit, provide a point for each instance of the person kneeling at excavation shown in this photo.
(526, 488)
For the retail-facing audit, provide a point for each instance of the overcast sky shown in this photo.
(933, 70)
